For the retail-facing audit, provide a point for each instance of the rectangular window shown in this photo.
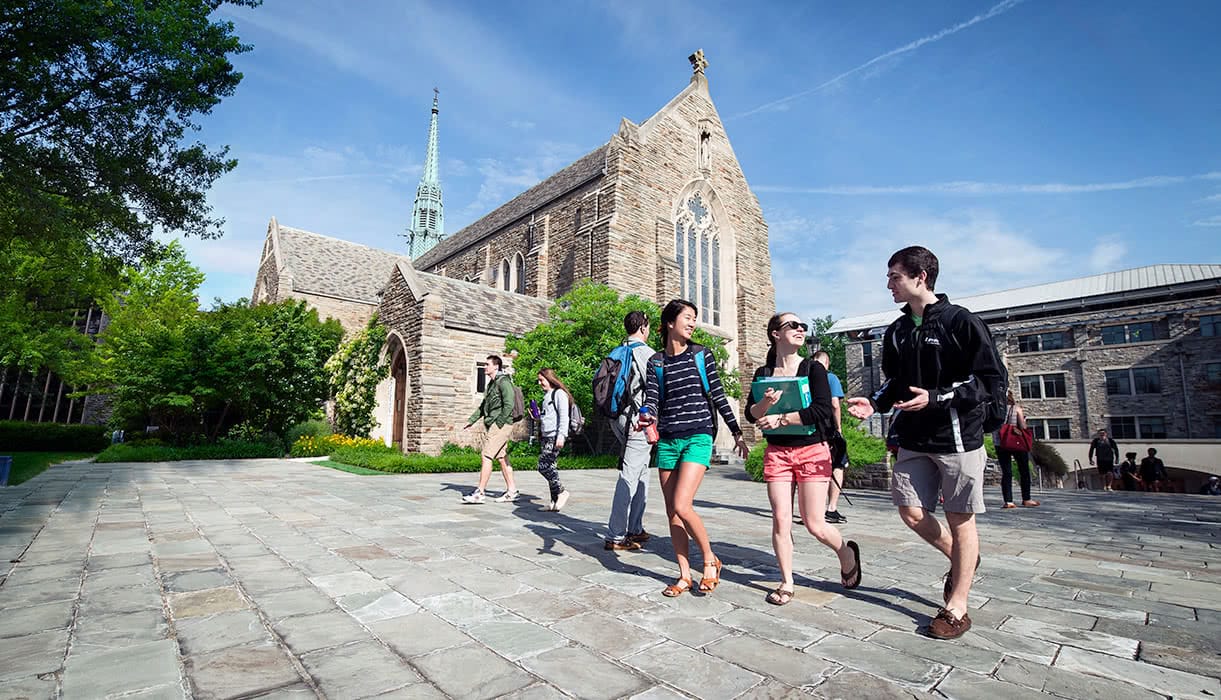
(1058, 429)
(1128, 333)
(1119, 382)
(1051, 428)
(1212, 372)
(1032, 387)
(1210, 326)
(1123, 427)
(1039, 342)
(1054, 386)
(1151, 427)
(867, 349)
(1147, 380)
(576, 220)
(481, 379)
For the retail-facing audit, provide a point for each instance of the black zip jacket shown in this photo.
(947, 361)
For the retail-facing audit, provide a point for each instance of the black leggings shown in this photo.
(546, 466)
(1023, 462)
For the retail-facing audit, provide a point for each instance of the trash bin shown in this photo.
(6, 463)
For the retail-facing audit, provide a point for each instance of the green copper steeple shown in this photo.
(427, 226)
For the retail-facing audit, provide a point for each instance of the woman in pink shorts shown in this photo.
(798, 459)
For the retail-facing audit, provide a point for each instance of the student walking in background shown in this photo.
(553, 429)
(682, 384)
(625, 527)
(1104, 451)
(802, 459)
(496, 412)
(835, 440)
(1015, 418)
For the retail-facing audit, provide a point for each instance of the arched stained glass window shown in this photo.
(697, 248)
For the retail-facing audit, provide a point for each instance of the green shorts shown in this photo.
(672, 452)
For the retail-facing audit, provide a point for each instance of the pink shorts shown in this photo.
(800, 464)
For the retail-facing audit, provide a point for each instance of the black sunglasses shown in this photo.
(794, 325)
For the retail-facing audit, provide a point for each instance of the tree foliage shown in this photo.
(354, 372)
(97, 99)
(195, 373)
(832, 344)
(585, 324)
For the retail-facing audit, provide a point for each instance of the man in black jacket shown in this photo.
(939, 364)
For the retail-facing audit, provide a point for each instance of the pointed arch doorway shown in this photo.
(398, 383)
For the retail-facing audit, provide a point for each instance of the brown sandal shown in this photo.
(679, 587)
(708, 585)
(781, 596)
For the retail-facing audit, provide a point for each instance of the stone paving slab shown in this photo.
(279, 579)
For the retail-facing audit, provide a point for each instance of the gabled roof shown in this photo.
(323, 265)
(1081, 289)
(586, 168)
(480, 308)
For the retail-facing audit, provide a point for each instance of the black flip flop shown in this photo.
(855, 572)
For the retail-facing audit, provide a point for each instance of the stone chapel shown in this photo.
(662, 209)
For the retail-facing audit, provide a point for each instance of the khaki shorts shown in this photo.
(919, 477)
(496, 440)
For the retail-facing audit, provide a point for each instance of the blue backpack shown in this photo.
(612, 380)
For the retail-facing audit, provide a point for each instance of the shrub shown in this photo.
(310, 446)
(1048, 457)
(19, 436)
(315, 427)
(222, 449)
(389, 459)
(863, 448)
(754, 461)
(989, 446)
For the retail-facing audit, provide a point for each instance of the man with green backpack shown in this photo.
(501, 408)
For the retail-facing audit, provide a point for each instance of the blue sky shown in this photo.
(1022, 141)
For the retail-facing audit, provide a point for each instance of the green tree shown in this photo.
(354, 372)
(97, 99)
(584, 326)
(164, 362)
(832, 344)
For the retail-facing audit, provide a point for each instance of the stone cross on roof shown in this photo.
(698, 62)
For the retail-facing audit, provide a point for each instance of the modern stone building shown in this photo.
(1136, 352)
(662, 209)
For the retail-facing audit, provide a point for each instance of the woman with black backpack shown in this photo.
(553, 429)
(798, 458)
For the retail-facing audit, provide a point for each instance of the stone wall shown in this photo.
(353, 315)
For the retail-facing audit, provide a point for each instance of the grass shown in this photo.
(27, 465)
(389, 459)
(223, 449)
(340, 466)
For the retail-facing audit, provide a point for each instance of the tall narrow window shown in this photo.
(576, 220)
(505, 282)
(697, 249)
(519, 267)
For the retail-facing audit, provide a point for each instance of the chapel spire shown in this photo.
(427, 226)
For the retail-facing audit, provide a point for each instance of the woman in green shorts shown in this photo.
(682, 387)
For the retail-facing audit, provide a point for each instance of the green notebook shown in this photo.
(796, 396)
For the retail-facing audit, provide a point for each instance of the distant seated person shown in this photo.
(1212, 487)
(1128, 471)
(1153, 472)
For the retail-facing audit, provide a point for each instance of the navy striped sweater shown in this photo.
(684, 411)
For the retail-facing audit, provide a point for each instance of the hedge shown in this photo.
(19, 436)
(223, 449)
(389, 459)
(863, 449)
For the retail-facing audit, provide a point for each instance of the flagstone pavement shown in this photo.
(282, 579)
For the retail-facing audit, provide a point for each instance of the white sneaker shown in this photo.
(560, 500)
(476, 497)
(548, 507)
(507, 497)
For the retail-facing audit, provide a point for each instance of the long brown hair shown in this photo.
(554, 380)
(773, 325)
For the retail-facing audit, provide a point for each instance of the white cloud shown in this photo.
(504, 180)
(1213, 198)
(846, 274)
(782, 103)
(1107, 253)
(1209, 222)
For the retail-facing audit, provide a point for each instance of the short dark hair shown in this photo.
(670, 315)
(914, 260)
(499, 362)
(634, 321)
(1152, 451)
